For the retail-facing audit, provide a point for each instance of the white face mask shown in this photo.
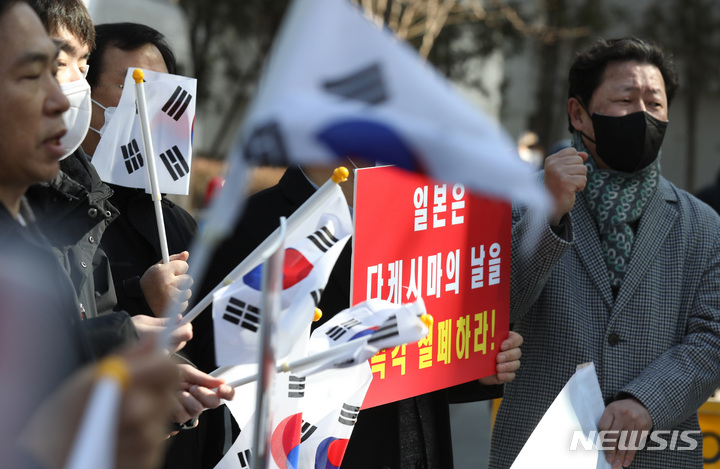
(109, 111)
(77, 117)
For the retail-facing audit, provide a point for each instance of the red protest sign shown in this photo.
(414, 235)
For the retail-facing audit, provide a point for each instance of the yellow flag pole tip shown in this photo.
(318, 315)
(427, 320)
(114, 367)
(138, 75)
(340, 175)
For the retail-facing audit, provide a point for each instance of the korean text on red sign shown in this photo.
(415, 236)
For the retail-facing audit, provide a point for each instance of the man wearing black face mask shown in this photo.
(626, 273)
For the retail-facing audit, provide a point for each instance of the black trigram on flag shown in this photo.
(132, 157)
(340, 330)
(316, 295)
(365, 85)
(296, 386)
(240, 313)
(175, 163)
(306, 430)
(387, 329)
(323, 239)
(266, 146)
(348, 414)
(244, 457)
(176, 106)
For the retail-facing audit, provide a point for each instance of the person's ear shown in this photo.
(577, 113)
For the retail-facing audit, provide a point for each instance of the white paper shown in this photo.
(578, 407)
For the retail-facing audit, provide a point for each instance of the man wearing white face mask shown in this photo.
(131, 242)
(77, 117)
(74, 209)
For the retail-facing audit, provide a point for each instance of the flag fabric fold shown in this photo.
(372, 326)
(313, 418)
(313, 247)
(120, 158)
(336, 85)
(242, 408)
(330, 410)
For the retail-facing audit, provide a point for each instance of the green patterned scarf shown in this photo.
(616, 200)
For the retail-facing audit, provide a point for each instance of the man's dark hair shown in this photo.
(70, 15)
(126, 37)
(588, 68)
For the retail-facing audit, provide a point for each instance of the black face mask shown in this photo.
(627, 143)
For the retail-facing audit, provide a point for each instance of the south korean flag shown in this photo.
(120, 156)
(313, 246)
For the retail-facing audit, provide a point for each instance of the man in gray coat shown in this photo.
(626, 273)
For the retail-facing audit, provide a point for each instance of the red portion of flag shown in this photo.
(285, 442)
(296, 267)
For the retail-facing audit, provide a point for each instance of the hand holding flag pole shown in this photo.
(113, 375)
(139, 77)
(254, 258)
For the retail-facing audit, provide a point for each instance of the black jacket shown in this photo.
(74, 211)
(132, 243)
(41, 342)
(413, 433)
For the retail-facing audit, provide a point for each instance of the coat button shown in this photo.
(108, 213)
(613, 339)
(92, 212)
(91, 240)
(83, 264)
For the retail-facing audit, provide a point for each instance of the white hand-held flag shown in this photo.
(314, 417)
(119, 157)
(336, 85)
(371, 326)
(313, 247)
(330, 410)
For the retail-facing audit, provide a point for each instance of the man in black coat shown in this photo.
(131, 242)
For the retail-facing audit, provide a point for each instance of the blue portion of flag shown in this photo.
(253, 279)
(328, 457)
(368, 139)
(293, 458)
(363, 333)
